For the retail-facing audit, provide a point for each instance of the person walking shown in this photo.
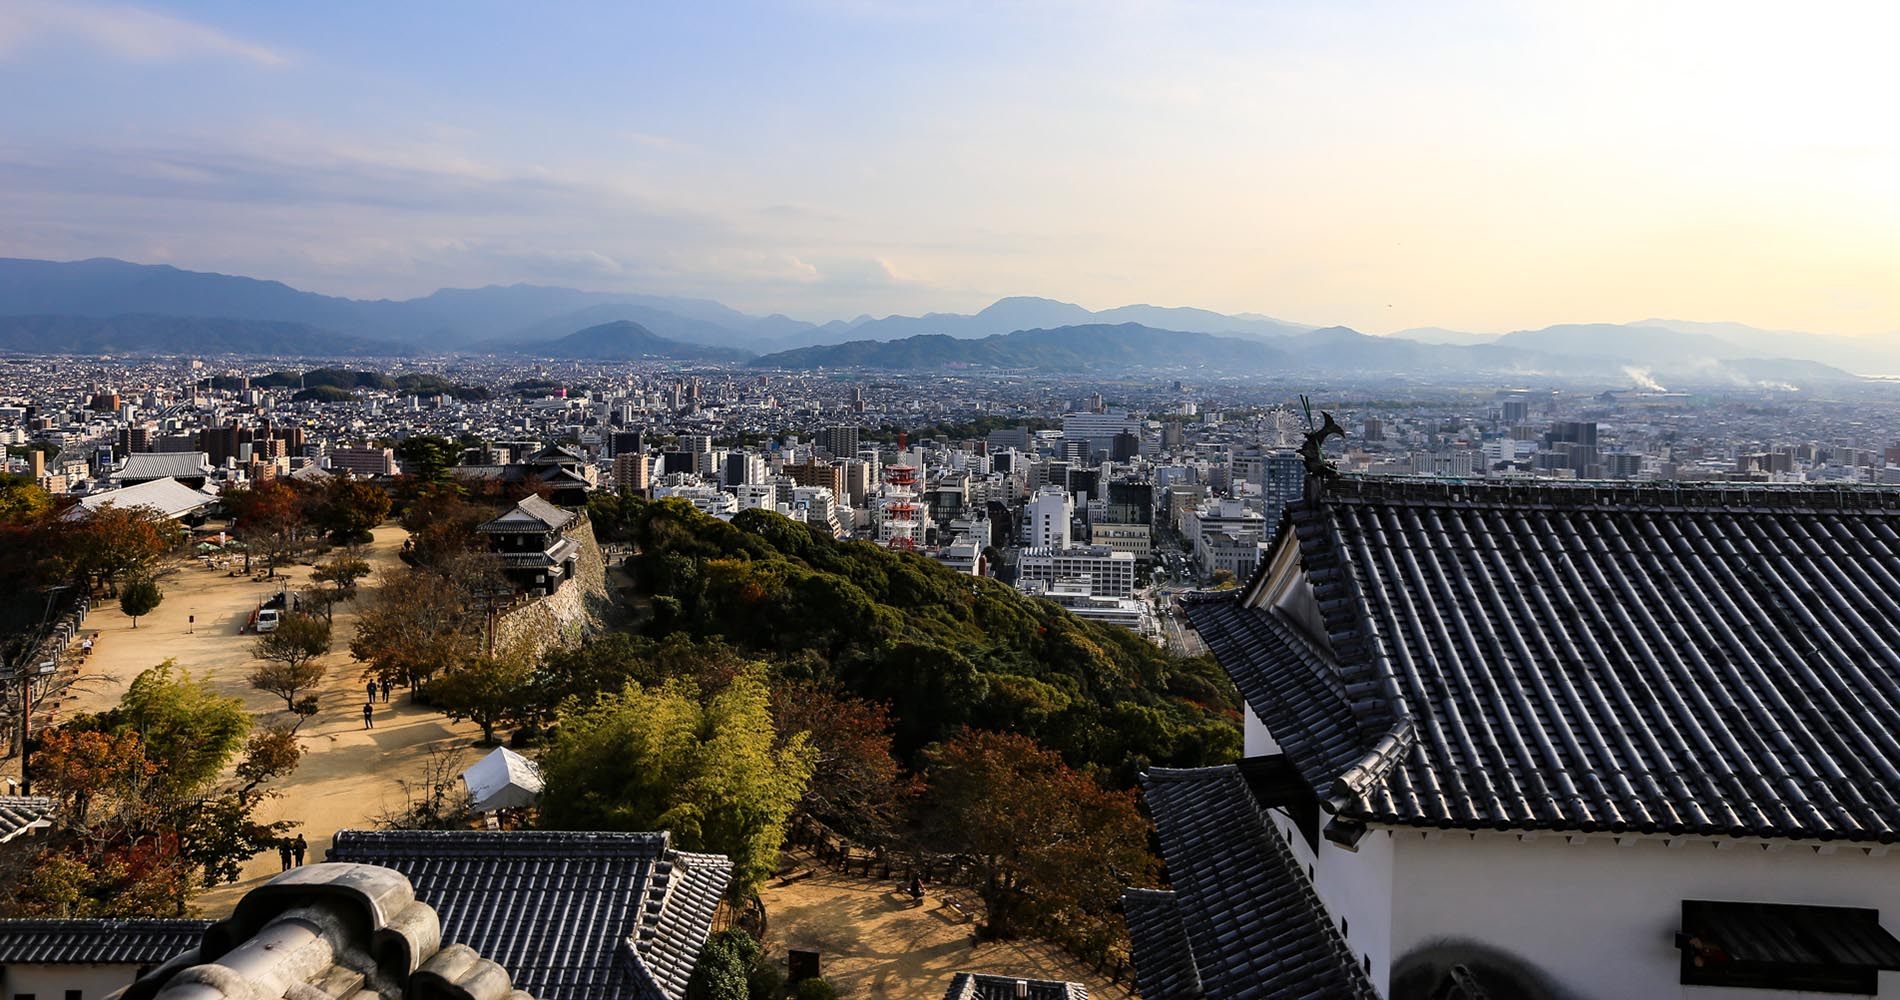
(283, 853)
(385, 690)
(372, 690)
(369, 711)
(298, 847)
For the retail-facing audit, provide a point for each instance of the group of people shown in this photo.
(369, 707)
(291, 852)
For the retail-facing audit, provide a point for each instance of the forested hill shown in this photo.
(1067, 348)
(943, 649)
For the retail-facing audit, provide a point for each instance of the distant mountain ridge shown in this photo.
(1068, 348)
(622, 340)
(182, 335)
(105, 306)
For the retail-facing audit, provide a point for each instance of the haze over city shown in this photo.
(1475, 166)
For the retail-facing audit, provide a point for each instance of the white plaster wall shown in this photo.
(1353, 886)
(50, 982)
(1255, 741)
(1600, 918)
(1359, 887)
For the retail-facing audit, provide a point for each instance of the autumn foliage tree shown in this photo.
(270, 517)
(143, 820)
(421, 622)
(112, 544)
(1052, 846)
(856, 786)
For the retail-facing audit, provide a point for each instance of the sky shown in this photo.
(1482, 166)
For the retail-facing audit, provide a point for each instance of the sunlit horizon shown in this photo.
(1479, 167)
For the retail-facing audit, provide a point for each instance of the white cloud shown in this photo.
(130, 33)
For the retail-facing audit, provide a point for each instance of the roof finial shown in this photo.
(1318, 470)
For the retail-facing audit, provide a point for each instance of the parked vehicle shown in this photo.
(267, 619)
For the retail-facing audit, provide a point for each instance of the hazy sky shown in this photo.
(1485, 166)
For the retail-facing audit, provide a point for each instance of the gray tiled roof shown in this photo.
(20, 813)
(1252, 927)
(531, 514)
(96, 942)
(979, 986)
(572, 916)
(1164, 960)
(143, 465)
(327, 930)
(1660, 659)
(167, 496)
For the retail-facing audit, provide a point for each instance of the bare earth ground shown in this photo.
(873, 942)
(349, 775)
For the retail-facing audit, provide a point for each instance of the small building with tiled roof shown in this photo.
(571, 916)
(1547, 740)
(565, 473)
(166, 497)
(532, 540)
(96, 958)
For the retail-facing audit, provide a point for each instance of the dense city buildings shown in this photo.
(1045, 481)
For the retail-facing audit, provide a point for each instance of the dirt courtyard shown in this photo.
(349, 775)
(873, 942)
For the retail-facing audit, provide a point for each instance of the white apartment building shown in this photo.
(1048, 513)
(1110, 573)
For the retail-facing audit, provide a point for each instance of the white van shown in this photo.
(267, 619)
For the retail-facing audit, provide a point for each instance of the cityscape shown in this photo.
(808, 500)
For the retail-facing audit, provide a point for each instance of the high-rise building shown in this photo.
(828, 475)
(841, 442)
(1049, 512)
(627, 442)
(1282, 482)
(743, 467)
(632, 471)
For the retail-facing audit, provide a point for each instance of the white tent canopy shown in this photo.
(502, 780)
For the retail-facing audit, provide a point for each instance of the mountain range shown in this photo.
(111, 306)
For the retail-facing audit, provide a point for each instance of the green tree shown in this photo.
(487, 689)
(139, 598)
(724, 969)
(349, 508)
(713, 772)
(289, 653)
(21, 499)
(189, 730)
(427, 457)
(1053, 847)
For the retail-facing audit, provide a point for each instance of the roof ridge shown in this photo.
(1363, 488)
